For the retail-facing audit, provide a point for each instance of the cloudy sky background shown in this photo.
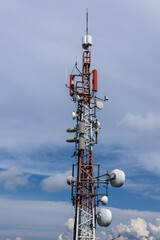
(38, 40)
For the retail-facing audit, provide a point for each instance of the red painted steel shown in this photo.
(95, 87)
(85, 158)
(71, 89)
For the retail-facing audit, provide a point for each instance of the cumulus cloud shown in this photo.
(70, 224)
(141, 227)
(56, 182)
(137, 229)
(13, 178)
(155, 229)
(68, 233)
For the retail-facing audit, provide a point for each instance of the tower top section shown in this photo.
(87, 39)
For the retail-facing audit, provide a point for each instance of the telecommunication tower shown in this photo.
(86, 180)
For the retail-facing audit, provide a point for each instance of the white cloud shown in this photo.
(137, 229)
(13, 178)
(57, 182)
(155, 229)
(69, 224)
(68, 232)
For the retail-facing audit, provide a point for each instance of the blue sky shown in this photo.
(38, 41)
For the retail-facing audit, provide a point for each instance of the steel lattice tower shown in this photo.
(85, 196)
(85, 218)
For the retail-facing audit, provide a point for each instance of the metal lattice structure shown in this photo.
(85, 217)
(85, 196)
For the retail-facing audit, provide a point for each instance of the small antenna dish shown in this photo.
(70, 180)
(99, 105)
(104, 200)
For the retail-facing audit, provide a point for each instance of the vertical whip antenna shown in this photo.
(87, 22)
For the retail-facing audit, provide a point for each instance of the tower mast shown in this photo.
(85, 195)
(85, 218)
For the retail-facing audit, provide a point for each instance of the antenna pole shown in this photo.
(87, 23)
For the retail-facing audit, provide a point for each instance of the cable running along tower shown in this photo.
(86, 179)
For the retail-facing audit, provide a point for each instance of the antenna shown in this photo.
(87, 39)
(85, 182)
(87, 22)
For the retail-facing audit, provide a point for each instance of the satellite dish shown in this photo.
(99, 105)
(117, 178)
(104, 217)
(70, 180)
(104, 200)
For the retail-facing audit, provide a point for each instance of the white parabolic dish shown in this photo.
(104, 200)
(119, 179)
(104, 217)
(70, 180)
(99, 105)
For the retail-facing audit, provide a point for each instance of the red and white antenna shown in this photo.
(85, 185)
